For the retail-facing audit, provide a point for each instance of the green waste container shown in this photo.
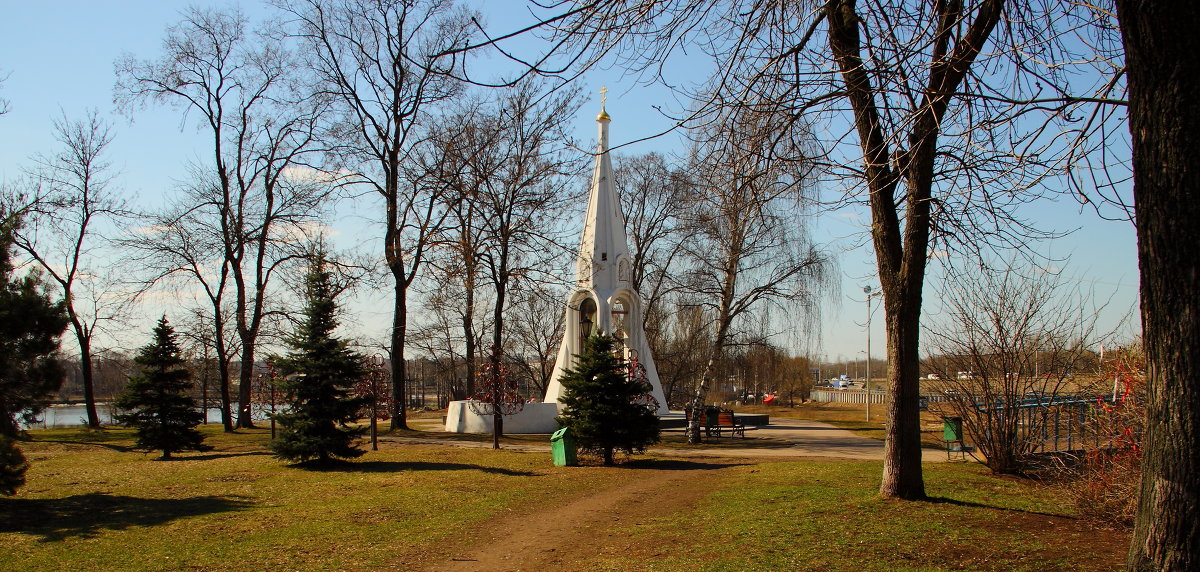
(952, 429)
(562, 448)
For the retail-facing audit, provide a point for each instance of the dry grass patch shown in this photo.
(91, 504)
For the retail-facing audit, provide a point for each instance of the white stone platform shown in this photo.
(533, 418)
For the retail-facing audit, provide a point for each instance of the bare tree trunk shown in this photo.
(697, 405)
(902, 476)
(85, 370)
(499, 387)
(469, 267)
(399, 367)
(245, 418)
(1164, 84)
(223, 375)
(724, 319)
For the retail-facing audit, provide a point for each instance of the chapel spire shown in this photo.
(604, 301)
(603, 242)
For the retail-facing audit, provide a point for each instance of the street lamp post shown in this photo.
(867, 383)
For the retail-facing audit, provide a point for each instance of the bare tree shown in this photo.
(64, 232)
(438, 336)
(536, 331)
(503, 167)
(5, 105)
(681, 353)
(741, 250)
(1164, 81)
(181, 251)
(197, 334)
(523, 172)
(446, 156)
(1020, 336)
(466, 270)
(652, 194)
(376, 58)
(257, 193)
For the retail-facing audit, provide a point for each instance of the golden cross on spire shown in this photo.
(603, 99)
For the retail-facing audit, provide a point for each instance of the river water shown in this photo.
(76, 416)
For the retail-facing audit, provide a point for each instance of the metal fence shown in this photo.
(859, 396)
(847, 396)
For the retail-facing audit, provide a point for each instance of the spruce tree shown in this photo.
(12, 466)
(30, 324)
(156, 400)
(605, 406)
(319, 373)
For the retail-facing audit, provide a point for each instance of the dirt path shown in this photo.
(558, 537)
(561, 537)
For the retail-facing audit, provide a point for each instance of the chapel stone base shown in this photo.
(538, 418)
(533, 418)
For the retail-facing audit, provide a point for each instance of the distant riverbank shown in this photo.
(57, 416)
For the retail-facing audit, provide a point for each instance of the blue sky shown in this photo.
(59, 59)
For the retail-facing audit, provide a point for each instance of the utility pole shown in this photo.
(867, 383)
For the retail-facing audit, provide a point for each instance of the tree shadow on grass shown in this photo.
(676, 465)
(117, 448)
(820, 428)
(211, 456)
(956, 502)
(86, 515)
(396, 467)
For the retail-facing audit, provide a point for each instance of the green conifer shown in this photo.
(30, 324)
(156, 400)
(12, 466)
(607, 408)
(319, 374)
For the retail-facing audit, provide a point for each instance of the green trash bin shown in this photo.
(562, 448)
(952, 429)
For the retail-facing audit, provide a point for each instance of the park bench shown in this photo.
(716, 421)
(727, 422)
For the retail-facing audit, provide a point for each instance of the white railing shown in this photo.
(847, 396)
(859, 396)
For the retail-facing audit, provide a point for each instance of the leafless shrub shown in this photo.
(1008, 352)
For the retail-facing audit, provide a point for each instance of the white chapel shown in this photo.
(604, 300)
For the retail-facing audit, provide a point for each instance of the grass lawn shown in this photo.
(91, 504)
(828, 516)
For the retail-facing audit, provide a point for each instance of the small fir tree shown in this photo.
(319, 375)
(12, 466)
(30, 324)
(156, 400)
(607, 404)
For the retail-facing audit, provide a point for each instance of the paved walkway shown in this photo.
(804, 439)
(807, 439)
